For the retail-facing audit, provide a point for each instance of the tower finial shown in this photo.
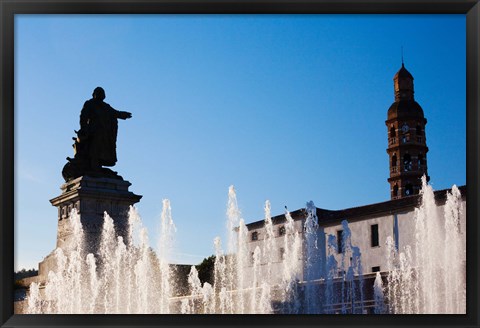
(402, 57)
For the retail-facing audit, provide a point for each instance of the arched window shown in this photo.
(393, 134)
(408, 189)
(407, 162)
(419, 130)
(394, 168)
(421, 160)
(395, 191)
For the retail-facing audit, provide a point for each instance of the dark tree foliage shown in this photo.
(24, 274)
(19, 275)
(206, 271)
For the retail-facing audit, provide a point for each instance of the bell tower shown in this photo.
(407, 147)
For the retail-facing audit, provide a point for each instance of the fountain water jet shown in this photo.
(127, 276)
(311, 259)
(331, 272)
(430, 279)
(291, 266)
(378, 294)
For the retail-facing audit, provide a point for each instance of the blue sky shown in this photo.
(288, 108)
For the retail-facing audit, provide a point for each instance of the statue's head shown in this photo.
(98, 93)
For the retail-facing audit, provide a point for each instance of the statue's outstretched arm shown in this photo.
(118, 113)
(123, 115)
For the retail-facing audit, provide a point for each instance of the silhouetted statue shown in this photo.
(95, 144)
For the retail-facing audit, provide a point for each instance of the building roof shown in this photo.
(405, 109)
(328, 217)
(403, 73)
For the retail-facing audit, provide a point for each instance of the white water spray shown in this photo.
(127, 276)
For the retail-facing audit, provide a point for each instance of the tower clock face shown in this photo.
(405, 128)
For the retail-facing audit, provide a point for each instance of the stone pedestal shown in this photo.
(92, 197)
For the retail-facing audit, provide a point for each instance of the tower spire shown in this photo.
(402, 58)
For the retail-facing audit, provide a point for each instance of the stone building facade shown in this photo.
(370, 227)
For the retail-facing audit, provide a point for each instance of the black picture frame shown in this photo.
(9, 8)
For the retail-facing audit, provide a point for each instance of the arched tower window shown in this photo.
(394, 163)
(419, 130)
(393, 135)
(395, 191)
(421, 160)
(408, 189)
(407, 162)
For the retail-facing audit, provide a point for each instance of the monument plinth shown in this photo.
(92, 197)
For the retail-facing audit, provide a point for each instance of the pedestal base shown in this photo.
(91, 197)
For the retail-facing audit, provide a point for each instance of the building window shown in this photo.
(252, 258)
(254, 236)
(407, 162)
(408, 190)
(282, 253)
(281, 231)
(421, 160)
(393, 134)
(419, 130)
(374, 235)
(394, 164)
(395, 191)
(340, 241)
(376, 269)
